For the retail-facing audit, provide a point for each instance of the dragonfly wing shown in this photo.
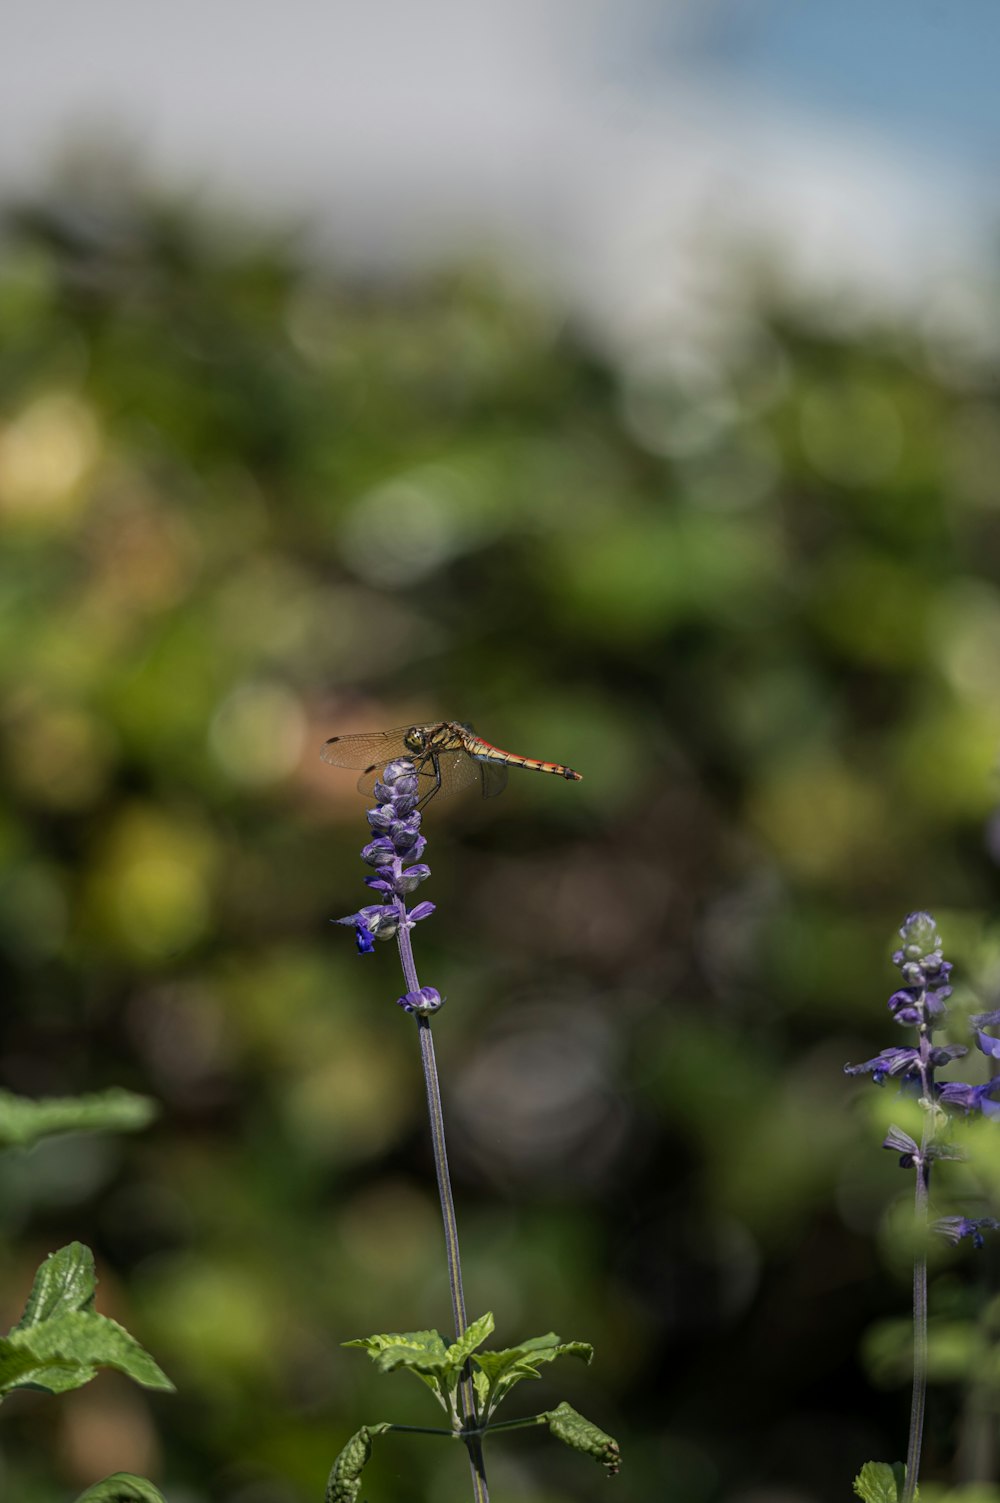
(458, 770)
(494, 778)
(453, 774)
(372, 748)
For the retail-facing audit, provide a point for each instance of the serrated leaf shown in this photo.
(345, 1477)
(23, 1120)
(460, 1351)
(548, 1348)
(65, 1281)
(573, 1430)
(880, 1482)
(66, 1352)
(122, 1487)
(424, 1351)
(505, 1369)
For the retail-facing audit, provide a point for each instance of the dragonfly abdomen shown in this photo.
(483, 751)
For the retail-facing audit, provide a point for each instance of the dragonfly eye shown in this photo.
(414, 740)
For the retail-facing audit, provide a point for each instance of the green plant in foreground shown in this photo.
(441, 1368)
(878, 1482)
(61, 1341)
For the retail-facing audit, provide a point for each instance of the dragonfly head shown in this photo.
(415, 739)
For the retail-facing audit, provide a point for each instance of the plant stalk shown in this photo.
(921, 1199)
(471, 1434)
(919, 1397)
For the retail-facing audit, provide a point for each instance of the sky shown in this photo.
(617, 149)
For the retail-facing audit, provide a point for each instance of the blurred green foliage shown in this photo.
(748, 587)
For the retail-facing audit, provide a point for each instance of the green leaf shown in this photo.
(481, 1385)
(424, 1351)
(460, 1351)
(66, 1352)
(23, 1120)
(878, 1482)
(506, 1368)
(573, 1430)
(345, 1477)
(548, 1348)
(122, 1487)
(65, 1281)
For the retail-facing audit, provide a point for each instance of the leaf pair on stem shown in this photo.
(441, 1367)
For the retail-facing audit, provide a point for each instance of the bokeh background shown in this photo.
(625, 379)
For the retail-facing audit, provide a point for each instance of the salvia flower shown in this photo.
(423, 1002)
(394, 852)
(922, 1003)
(957, 1227)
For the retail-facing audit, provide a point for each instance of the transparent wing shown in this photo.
(457, 770)
(369, 749)
(494, 778)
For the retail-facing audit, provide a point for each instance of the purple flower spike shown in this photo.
(394, 851)
(423, 1002)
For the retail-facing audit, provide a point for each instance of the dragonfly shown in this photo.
(447, 756)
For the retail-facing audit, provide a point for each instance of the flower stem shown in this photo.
(919, 1341)
(466, 1392)
(919, 1397)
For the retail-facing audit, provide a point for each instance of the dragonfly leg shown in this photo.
(436, 765)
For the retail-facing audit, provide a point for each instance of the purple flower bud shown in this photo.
(398, 782)
(970, 1098)
(936, 1002)
(919, 935)
(943, 1054)
(888, 1062)
(421, 911)
(987, 1044)
(381, 818)
(401, 776)
(424, 1002)
(905, 1008)
(985, 1019)
(397, 879)
(379, 852)
(898, 1141)
(405, 832)
(957, 1227)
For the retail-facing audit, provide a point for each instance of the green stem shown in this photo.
(425, 1430)
(520, 1424)
(921, 1199)
(919, 1397)
(470, 1434)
